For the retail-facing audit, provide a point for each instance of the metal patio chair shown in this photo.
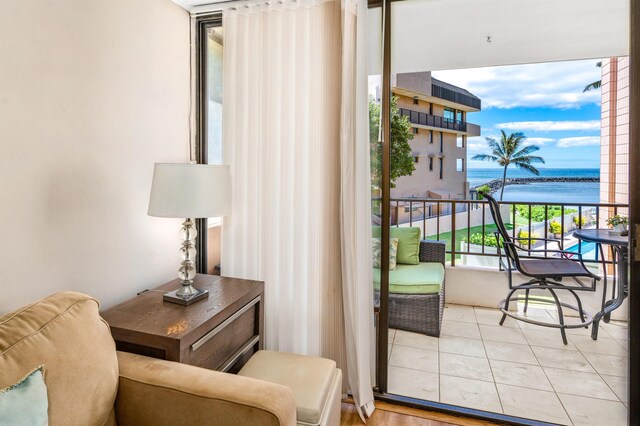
(546, 273)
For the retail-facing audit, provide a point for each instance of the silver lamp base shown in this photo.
(187, 293)
(186, 298)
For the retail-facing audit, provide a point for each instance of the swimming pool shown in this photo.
(587, 248)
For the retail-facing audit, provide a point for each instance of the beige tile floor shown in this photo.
(518, 369)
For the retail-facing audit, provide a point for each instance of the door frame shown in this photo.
(201, 24)
(634, 248)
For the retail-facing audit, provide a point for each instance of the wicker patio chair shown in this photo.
(546, 273)
(421, 313)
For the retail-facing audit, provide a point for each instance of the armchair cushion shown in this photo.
(423, 278)
(157, 392)
(64, 333)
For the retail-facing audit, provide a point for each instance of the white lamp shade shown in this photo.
(190, 191)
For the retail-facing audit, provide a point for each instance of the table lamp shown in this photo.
(191, 191)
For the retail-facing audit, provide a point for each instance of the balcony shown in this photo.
(435, 121)
(478, 363)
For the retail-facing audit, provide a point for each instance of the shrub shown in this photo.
(555, 228)
(489, 240)
(579, 221)
(525, 234)
(483, 189)
(537, 212)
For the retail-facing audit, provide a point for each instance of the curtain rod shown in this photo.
(210, 8)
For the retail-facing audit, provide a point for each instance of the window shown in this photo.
(209, 50)
(430, 136)
(212, 95)
(460, 164)
(460, 116)
(449, 114)
(415, 100)
(415, 130)
(430, 164)
(416, 158)
(441, 142)
(441, 168)
(431, 109)
(460, 141)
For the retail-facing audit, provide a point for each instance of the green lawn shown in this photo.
(537, 213)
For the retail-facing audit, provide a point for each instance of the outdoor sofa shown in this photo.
(417, 285)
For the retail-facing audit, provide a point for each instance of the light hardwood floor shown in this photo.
(391, 414)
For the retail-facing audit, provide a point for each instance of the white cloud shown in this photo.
(578, 141)
(477, 143)
(555, 84)
(538, 141)
(544, 126)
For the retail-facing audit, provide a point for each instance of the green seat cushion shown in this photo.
(408, 243)
(423, 278)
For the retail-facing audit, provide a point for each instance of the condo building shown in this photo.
(614, 132)
(438, 115)
(437, 112)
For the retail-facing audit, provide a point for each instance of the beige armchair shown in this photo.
(90, 383)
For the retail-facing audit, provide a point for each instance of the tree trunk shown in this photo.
(504, 179)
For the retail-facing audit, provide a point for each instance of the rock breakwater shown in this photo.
(496, 184)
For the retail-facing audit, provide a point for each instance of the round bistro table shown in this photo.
(619, 245)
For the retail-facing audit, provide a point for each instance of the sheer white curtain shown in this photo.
(295, 135)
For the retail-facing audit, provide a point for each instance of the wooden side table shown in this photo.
(219, 333)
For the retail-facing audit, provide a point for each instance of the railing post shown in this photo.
(453, 233)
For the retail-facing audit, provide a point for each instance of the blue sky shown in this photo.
(544, 101)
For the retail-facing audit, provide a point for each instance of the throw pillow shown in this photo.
(377, 253)
(25, 403)
(408, 242)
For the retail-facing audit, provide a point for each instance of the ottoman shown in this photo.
(316, 383)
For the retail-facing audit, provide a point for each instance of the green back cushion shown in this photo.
(408, 243)
(424, 278)
(25, 403)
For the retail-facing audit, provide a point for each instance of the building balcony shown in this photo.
(476, 355)
(436, 122)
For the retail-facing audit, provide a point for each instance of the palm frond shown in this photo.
(592, 86)
(526, 151)
(485, 157)
(495, 146)
(517, 139)
(528, 168)
(529, 159)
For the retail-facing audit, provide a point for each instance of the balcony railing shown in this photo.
(424, 119)
(453, 94)
(470, 230)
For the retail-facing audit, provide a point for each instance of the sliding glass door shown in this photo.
(451, 94)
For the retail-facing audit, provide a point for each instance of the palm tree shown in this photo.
(595, 84)
(509, 150)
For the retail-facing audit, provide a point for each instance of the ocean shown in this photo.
(565, 192)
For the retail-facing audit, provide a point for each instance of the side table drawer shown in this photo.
(220, 348)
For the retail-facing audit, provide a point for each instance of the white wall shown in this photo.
(476, 286)
(92, 93)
